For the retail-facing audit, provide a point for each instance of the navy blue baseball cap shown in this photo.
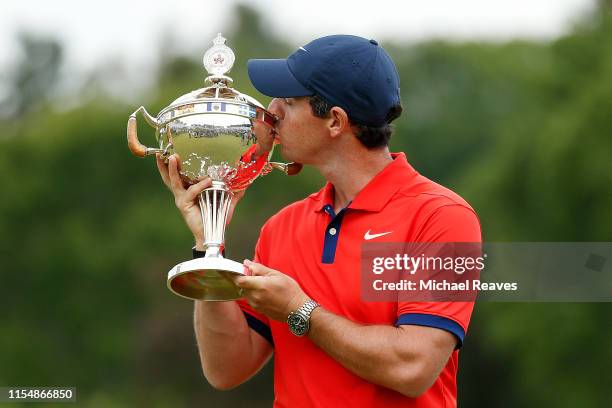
(351, 72)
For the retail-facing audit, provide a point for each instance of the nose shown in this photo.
(276, 107)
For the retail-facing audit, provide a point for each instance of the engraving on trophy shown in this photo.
(185, 109)
(219, 59)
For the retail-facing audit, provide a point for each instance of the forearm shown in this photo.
(376, 353)
(407, 359)
(228, 353)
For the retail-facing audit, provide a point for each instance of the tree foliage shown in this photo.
(521, 130)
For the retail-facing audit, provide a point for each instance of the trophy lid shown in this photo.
(218, 61)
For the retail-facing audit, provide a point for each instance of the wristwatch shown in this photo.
(299, 321)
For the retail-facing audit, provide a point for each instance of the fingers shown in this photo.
(257, 269)
(248, 282)
(163, 169)
(192, 192)
(255, 275)
(176, 184)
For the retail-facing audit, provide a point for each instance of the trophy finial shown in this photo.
(219, 39)
(219, 59)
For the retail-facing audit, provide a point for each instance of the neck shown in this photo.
(349, 173)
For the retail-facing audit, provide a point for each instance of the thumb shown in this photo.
(195, 189)
(258, 269)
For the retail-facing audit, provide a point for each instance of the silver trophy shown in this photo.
(211, 131)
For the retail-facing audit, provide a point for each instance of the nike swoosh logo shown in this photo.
(303, 49)
(369, 236)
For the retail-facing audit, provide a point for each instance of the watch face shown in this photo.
(297, 324)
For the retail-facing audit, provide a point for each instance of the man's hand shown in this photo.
(407, 359)
(186, 196)
(269, 291)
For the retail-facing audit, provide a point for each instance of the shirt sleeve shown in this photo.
(450, 223)
(257, 321)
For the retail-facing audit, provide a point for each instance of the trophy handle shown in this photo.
(137, 148)
(290, 169)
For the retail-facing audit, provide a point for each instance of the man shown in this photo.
(335, 98)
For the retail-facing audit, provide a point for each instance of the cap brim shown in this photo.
(272, 77)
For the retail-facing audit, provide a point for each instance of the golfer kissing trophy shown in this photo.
(211, 131)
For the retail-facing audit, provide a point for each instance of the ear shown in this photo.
(338, 122)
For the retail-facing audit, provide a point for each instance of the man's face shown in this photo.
(300, 133)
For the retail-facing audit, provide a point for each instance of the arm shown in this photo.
(230, 352)
(407, 359)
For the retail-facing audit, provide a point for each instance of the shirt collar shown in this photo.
(377, 193)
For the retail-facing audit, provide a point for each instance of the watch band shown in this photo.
(197, 254)
(307, 308)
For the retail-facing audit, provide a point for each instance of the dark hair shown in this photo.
(370, 136)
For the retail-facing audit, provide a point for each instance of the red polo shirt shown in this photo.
(321, 250)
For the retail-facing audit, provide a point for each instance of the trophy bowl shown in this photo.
(211, 132)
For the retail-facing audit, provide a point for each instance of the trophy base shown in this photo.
(203, 279)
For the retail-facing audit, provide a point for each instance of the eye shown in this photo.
(289, 101)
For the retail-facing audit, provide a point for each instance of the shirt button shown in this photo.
(332, 231)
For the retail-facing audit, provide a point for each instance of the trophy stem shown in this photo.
(215, 204)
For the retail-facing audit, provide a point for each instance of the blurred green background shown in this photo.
(521, 129)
